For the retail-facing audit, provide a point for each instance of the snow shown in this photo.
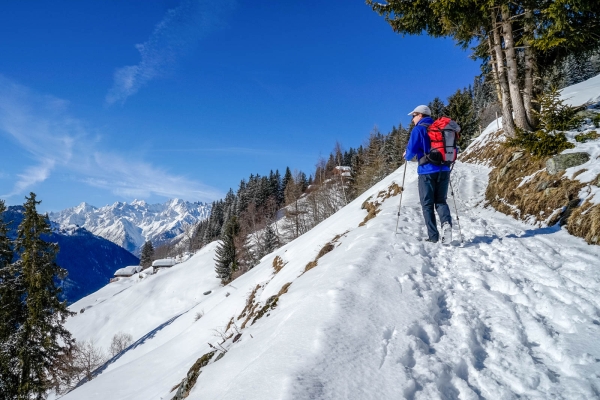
(514, 312)
(583, 92)
(164, 262)
(128, 271)
(130, 225)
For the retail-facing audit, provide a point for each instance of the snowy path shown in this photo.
(515, 312)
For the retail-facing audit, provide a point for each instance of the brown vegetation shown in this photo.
(372, 207)
(540, 199)
(278, 264)
(543, 198)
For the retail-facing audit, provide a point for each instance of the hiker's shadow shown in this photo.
(478, 240)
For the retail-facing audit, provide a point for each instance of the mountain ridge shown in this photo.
(131, 224)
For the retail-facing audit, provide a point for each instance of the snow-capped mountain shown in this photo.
(89, 259)
(130, 225)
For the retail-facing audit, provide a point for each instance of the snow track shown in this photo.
(512, 313)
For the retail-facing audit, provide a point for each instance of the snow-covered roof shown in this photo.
(343, 168)
(164, 262)
(128, 271)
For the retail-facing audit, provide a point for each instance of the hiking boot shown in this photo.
(431, 240)
(446, 233)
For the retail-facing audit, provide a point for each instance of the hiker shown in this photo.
(433, 179)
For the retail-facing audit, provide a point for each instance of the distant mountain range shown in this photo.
(90, 260)
(130, 225)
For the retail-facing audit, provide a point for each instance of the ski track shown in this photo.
(507, 315)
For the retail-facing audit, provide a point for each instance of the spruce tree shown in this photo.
(226, 253)
(12, 313)
(271, 241)
(147, 254)
(42, 339)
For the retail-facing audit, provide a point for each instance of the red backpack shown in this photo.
(443, 135)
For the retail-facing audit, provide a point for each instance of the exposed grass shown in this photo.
(284, 289)
(585, 222)
(278, 264)
(586, 137)
(189, 381)
(541, 198)
(372, 207)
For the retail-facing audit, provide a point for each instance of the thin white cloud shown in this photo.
(31, 176)
(172, 38)
(41, 126)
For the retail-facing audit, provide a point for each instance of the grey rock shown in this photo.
(542, 186)
(563, 161)
(516, 155)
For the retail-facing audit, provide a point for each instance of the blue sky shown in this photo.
(113, 100)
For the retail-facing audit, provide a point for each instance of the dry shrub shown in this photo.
(310, 265)
(278, 264)
(581, 171)
(269, 305)
(326, 249)
(541, 198)
(372, 207)
(249, 303)
(284, 289)
(585, 222)
(338, 237)
(229, 324)
(189, 381)
(372, 211)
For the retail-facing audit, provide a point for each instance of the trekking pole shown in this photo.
(456, 210)
(401, 193)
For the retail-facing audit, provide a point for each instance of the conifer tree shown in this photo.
(437, 107)
(271, 241)
(12, 313)
(41, 340)
(147, 254)
(226, 254)
(286, 179)
(460, 108)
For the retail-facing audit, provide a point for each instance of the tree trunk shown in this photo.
(516, 97)
(508, 124)
(529, 69)
(494, 70)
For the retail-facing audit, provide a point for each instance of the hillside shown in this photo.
(512, 312)
(130, 225)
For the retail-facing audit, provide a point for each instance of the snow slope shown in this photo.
(130, 225)
(514, 312)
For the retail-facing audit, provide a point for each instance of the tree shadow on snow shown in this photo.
(134, 345)
(477, 240)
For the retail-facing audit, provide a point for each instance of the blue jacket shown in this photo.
(419, 145)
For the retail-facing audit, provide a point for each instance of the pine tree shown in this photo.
(437, 107)
(460, 108)
(147, 254)
(271, 241)
(226, 254)
(286, 179)
(12, 313)
(42, 339)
